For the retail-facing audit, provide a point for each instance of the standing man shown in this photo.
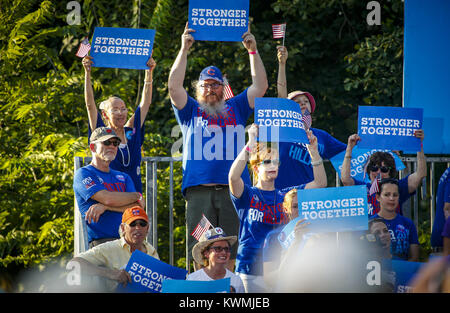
(213, 133)
(102, 194)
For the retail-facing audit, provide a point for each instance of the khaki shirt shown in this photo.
(113, 254)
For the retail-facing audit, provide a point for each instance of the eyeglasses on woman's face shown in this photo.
(218, 249)
(383, 169)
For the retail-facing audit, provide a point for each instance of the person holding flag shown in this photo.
(205, 173)
(260, 207)
(382, 165)
(296, 167)
(114, 113)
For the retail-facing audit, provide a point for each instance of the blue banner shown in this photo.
(122, 47)
(333, 209)
(279, 120)
(195, 286)
(218, 20)
(148, 274)
(405, 271)
(389, 128)
(359, 160)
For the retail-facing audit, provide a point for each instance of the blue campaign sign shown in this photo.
(334, 209)
(195, 286)
(122, 47)
(389, 127)
(359, 160)
(426, 71)
(405, 271)
(148, 274)
(218, 20)
(279, 120)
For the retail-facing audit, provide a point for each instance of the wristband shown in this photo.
(140, 197)
(148, 82)
(316, 163)
(253, 52)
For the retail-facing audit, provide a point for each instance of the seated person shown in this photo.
(109, 259)
(213, 252)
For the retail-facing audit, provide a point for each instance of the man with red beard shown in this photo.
(213, 133)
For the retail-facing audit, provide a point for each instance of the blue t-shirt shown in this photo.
(259, 213)
(272, 248)
(128, 158)
(374, 205)
(88, 181)
(295, 167)
(442, 196)
(403, 234)
(210, 144)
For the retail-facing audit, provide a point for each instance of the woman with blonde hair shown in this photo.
(260, 207)
(114, 112)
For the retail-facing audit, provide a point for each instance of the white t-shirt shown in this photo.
(235, 280)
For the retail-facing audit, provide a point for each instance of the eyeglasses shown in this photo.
(218, 249)
(268, 162)
(108, 142)
(138, 222)
(383, 169)
(118, 111)
(213, 85)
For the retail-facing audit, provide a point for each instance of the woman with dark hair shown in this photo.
(382, 165)
(404, 239)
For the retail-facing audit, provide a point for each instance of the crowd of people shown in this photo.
(246, 217)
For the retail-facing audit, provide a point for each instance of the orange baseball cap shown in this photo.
(134, 213)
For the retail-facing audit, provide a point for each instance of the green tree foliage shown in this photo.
(333, 53)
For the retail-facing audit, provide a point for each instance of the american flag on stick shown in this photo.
(201, 228)
(307, 119)
(228, 93)
(84, 48)
(279, 31)
(374, 188)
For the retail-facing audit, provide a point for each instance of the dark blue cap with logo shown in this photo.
(211, 72)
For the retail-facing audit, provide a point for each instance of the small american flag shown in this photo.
(201, 228)
(84, 48)
(228, 93)
(278, 30)
(307, 119)
(374, 188)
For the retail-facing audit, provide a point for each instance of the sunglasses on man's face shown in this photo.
(108, 142)
(219, 249)
(138, 222)
(383, 169)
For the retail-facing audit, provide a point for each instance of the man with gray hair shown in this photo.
(102, 194)
(213, 134)
(109, 259)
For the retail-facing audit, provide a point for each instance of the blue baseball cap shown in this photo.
(211, 72)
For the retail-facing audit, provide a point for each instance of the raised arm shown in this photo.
(415, 178)
(320, 176)
(282, 56)
(177, 92)
(146, 99)
(89, 93)
(234, 177)
(259, 78)
(346, 177)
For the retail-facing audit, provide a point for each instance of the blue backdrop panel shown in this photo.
(426, 70)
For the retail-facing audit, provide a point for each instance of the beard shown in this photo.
(214, 108)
